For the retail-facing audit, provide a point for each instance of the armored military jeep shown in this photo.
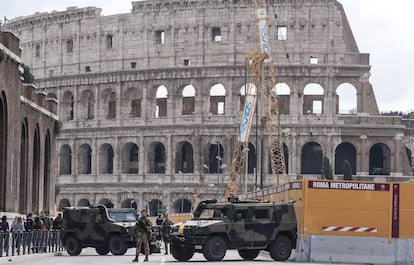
(249, 227)
(107, 230)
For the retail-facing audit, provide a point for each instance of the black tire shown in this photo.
(249, 254)
(102, 250)
(180, 253)
(215, 248)
(117, 246)
(281, 248)
(73, 246)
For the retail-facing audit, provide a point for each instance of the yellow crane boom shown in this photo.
(261, 74)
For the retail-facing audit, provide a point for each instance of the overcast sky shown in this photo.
(382, 28)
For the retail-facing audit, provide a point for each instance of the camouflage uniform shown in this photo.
(142, 231)
(166, 228)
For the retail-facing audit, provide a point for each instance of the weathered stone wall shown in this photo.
(25, 110)
(173, 43)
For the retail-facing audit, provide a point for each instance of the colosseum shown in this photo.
(150, 101)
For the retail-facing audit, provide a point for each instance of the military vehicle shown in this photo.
(248, 226)
(105, 229)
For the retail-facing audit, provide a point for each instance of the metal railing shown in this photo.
(26, 243)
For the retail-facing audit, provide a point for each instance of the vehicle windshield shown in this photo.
(122, 216)
(213, 213)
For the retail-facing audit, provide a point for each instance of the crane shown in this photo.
(262, 81)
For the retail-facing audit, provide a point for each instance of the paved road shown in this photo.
(89, 257)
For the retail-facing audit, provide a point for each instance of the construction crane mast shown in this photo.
(261, 84)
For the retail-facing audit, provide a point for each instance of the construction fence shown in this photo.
(26, 243)
(350, 221)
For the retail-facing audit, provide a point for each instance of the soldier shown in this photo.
(166, 228)
(142, 230)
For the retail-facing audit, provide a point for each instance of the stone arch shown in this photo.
(379, 159)
(133, 99)
(283, 97)
(251, 159)
(155, 207)
(129, 203)
(188, 98)
(24, 156)
(36, 169)
(84, 203)
(345, 151)
(62, 204)
(161, 96)
(217, 99)
(311, 158)
(65, 160)
(3, 150)
(87, 106)
(156, 158)
(182, 205)
(106, 159)
(184, 158)
(408, 154)
(67, 106)
(130, 158)
(47, 181)
(214, 158)
(346, 99)
(110, 98)
(313, 95)
(85, 159)
(107, 202)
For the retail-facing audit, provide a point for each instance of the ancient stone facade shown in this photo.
(150, 101)
(27, 137)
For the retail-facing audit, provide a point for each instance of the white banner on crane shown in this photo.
(247, 117)
(264, 41)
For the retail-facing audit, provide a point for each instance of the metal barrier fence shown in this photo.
(36, 241)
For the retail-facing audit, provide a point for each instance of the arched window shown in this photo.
(67, 106)
(106, 159)
(184, 160)
(214, 158)
(46, 172)
(313, 99)
(345, 152)
(87, 106)
(135, 103)
(156, 207)
(182, 205)
(311, 158)
(188, 100)
(161, 102)
(283, 97)
(24, 182)
(346, 102)
(156, 158)
(62, 204)
(84, 203)
(217, 99)
(36, 170)
(85, 159)
(112, 105)
(65, 165)
(130, 159)
(379, 159)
